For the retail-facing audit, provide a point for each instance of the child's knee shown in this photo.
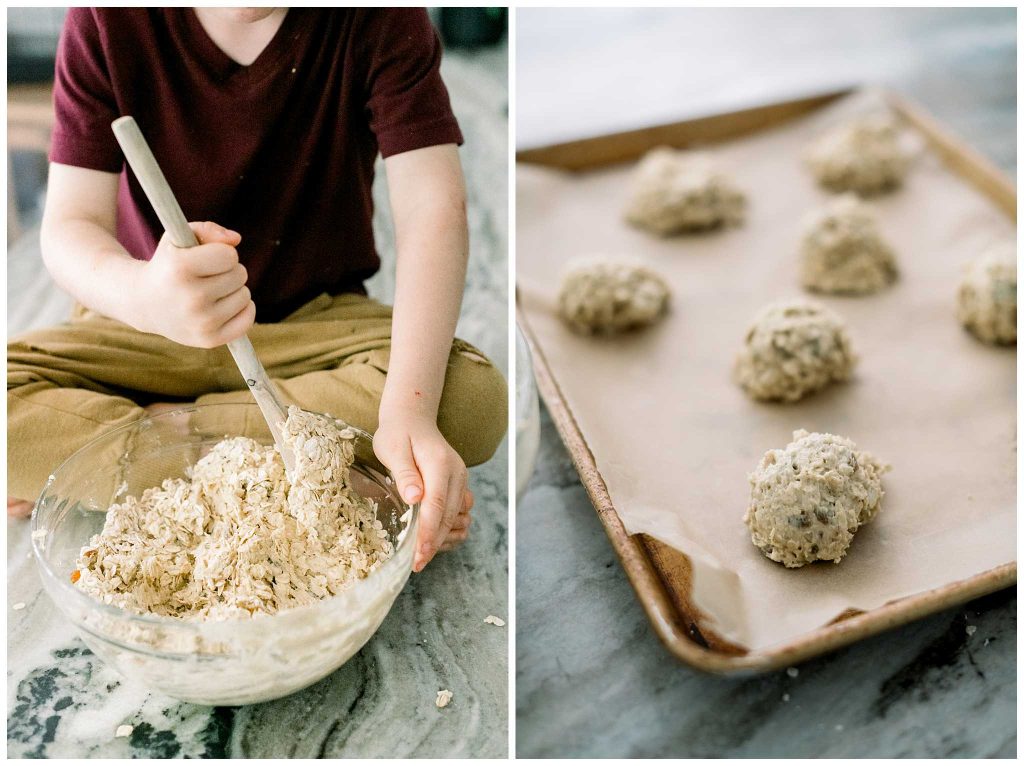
(474, 406)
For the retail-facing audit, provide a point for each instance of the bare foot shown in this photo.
(19, 509)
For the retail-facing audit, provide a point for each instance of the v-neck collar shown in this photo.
(223, 69)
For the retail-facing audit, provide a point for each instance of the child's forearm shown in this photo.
(85, 259)
(195, 296)
(432, 242)
(428, 203)
(77, 237)
(423, 326)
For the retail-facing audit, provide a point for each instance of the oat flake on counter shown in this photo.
(492, 620)
(443, 698)
(124, 730)
(237, 537)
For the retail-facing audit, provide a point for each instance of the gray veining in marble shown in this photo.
(63, 702)
(591, 677)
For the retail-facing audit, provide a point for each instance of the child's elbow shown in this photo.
(47, 247)
(456, 204)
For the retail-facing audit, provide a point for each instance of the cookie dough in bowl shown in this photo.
(864, 156)
(987, 299)
(809, 499)
(793, 349)
(601, 295)
(844, 252)
(237, 537)
(677, 191)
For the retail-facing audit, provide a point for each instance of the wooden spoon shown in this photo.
(142, 162)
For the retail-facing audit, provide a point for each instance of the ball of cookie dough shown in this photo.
(605, 296)
(793, 349)
(843, 251)
(987, 300)
(864, 156)
(678, 191)
(809, 499)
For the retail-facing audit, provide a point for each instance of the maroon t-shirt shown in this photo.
(281, 151)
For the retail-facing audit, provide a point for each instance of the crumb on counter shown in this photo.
(492, 620)
(124, 730)
(444, 696)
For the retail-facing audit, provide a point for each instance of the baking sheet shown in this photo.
(675, 439)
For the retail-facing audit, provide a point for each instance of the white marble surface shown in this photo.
(591, 677)
(63, 702)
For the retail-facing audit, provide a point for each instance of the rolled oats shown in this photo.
(987, 299)
(605, 296)
(238, 537)
(843, 250)
(864, 156)
(808, 500)
(793, 348)
(681, 191)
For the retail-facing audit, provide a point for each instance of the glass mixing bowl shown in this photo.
(232, 662)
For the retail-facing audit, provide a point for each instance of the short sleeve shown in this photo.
(407, 101)
(83, 99)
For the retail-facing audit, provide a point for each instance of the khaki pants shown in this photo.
(68, 384)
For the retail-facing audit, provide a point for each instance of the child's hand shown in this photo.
(428, 471)
(195, 296)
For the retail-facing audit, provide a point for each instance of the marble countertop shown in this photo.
(591, 677)
(63, 702)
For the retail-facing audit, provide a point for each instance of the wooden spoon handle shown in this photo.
(158, 191)
(142, 162)
(263, 390)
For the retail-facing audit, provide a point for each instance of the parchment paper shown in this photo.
(675, 439)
